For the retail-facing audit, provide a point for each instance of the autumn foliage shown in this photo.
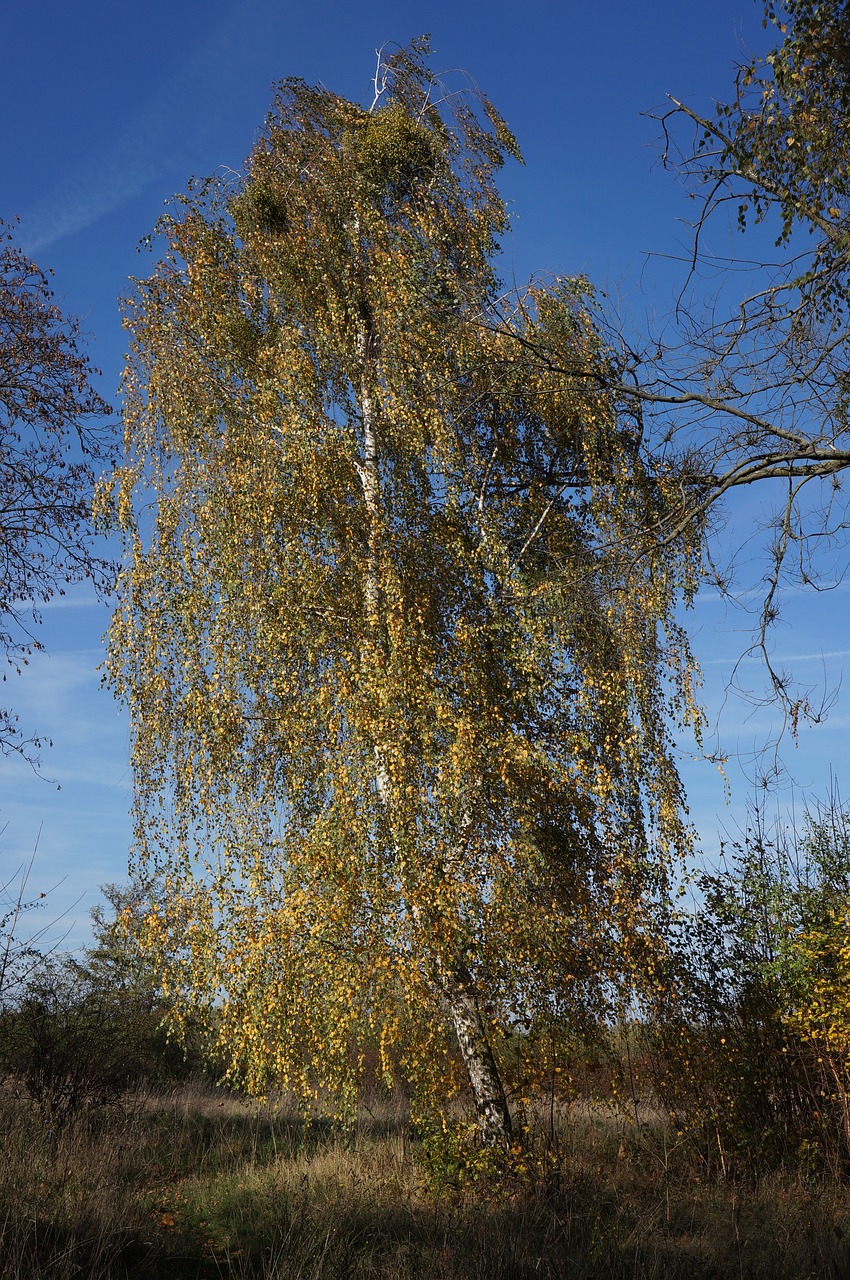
(398, 646)
(51, 434)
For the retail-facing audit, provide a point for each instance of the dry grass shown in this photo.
(200, 1184)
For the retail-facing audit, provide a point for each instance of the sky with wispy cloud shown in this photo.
(144, 148)
(109, 108)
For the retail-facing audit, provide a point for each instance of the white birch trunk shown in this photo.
(370, 481)
(485, 1082)
(494, 1116)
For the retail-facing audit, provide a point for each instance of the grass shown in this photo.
(201, 1184)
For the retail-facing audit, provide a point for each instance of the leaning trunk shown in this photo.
(485, 1081)
(491, 1104)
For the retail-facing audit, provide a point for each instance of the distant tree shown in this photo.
(62, 1042)
(81, 1030)
(117, 961)
(73, 1043)
(125, 975)
(51, 434)
(399, 653)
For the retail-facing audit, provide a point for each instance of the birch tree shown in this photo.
(400, 658)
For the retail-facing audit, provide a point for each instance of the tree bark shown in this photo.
(494, 1116)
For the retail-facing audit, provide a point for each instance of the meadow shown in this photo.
(196, 1182)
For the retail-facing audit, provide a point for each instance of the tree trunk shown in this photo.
(491, 1104)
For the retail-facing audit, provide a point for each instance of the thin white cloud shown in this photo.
(75, 598)
(760, 730)
(60, 698)
(52, 678)
(710, 595)
(777, 659)
(77, 809)
(148, 148)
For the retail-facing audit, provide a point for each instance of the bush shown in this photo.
(753, 1055)
(73, 1045)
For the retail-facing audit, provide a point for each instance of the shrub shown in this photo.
(73, 1045)
(753, 1054)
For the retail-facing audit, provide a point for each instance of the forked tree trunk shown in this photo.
(494, 1117)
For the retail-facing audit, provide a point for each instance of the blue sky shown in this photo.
(110, 107)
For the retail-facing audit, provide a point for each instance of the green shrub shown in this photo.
(739, 1057)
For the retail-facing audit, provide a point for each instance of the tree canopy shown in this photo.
(398, 643)
(49, 439)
